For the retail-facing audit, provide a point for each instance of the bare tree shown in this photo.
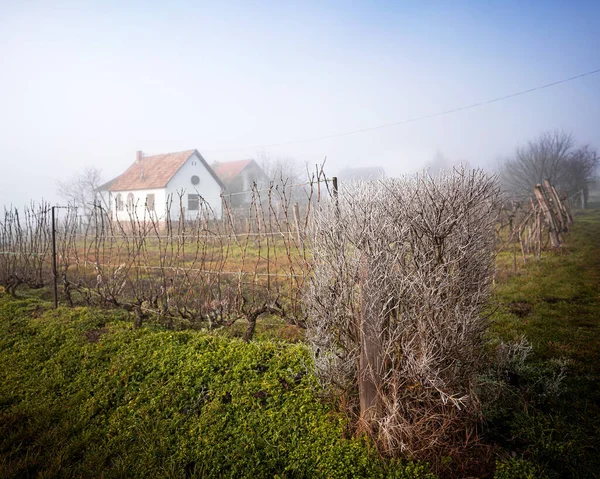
(546, 157)
(281, 169)
(81, 189)
(285, 174)
(580, 169)
(402, 272)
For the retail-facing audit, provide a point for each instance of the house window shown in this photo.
(150, 202)
(119, 202)
(195, 180)
(130, 201)
(193, 202)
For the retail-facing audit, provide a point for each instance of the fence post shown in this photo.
(540, 233)
(335, 198)
(299, 233)
(335, 187)
(559, 213)
(54, 272)
(554, 201)
(550, 219)
(514, 238)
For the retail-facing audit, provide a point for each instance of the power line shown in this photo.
(411, 120)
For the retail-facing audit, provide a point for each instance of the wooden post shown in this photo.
(54, 269)
(582, 199)
(299, 234)
(522, 227)
(258, 225)
(369, 355)
(564, 207)
(335, 187)
(540, 233)
(514, 248)
(368, 364)
(335, 198)
(318, 189)
(532, 229)
(552, 224)
(567, 206)
(558, 211)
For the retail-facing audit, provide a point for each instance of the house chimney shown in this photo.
(138, 156)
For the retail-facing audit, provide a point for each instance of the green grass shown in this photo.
(555, 303)
(84, 395)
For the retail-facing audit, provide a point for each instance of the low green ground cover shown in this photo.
(84, 395)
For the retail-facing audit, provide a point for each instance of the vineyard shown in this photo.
(253, 260)
(391, 279)
(206, 273)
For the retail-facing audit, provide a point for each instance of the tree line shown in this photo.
(555, 156)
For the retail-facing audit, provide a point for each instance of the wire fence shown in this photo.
(208, 271)
(528, 226)
(214, 269)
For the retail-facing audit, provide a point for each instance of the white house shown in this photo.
(158, 185)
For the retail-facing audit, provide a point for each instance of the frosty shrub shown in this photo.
(403, 269)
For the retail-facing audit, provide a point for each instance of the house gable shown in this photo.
(238, 175)
(239, 178)
(196, 178)
(196, 156)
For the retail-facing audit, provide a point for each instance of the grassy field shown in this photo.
(84, 395)
(549, 413)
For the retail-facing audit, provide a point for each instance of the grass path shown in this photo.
(555, 303)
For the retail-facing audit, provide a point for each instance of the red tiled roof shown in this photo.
(154, 172)
(151, 172)
(228, 170)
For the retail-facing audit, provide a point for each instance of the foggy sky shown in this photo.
(88, 84)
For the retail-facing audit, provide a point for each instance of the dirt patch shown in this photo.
(94, 335)
(520, 308)
(552, 299)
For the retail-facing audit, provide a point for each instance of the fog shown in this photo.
(85, 84)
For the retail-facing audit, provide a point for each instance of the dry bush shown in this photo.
(403, 269)
(25, 247)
